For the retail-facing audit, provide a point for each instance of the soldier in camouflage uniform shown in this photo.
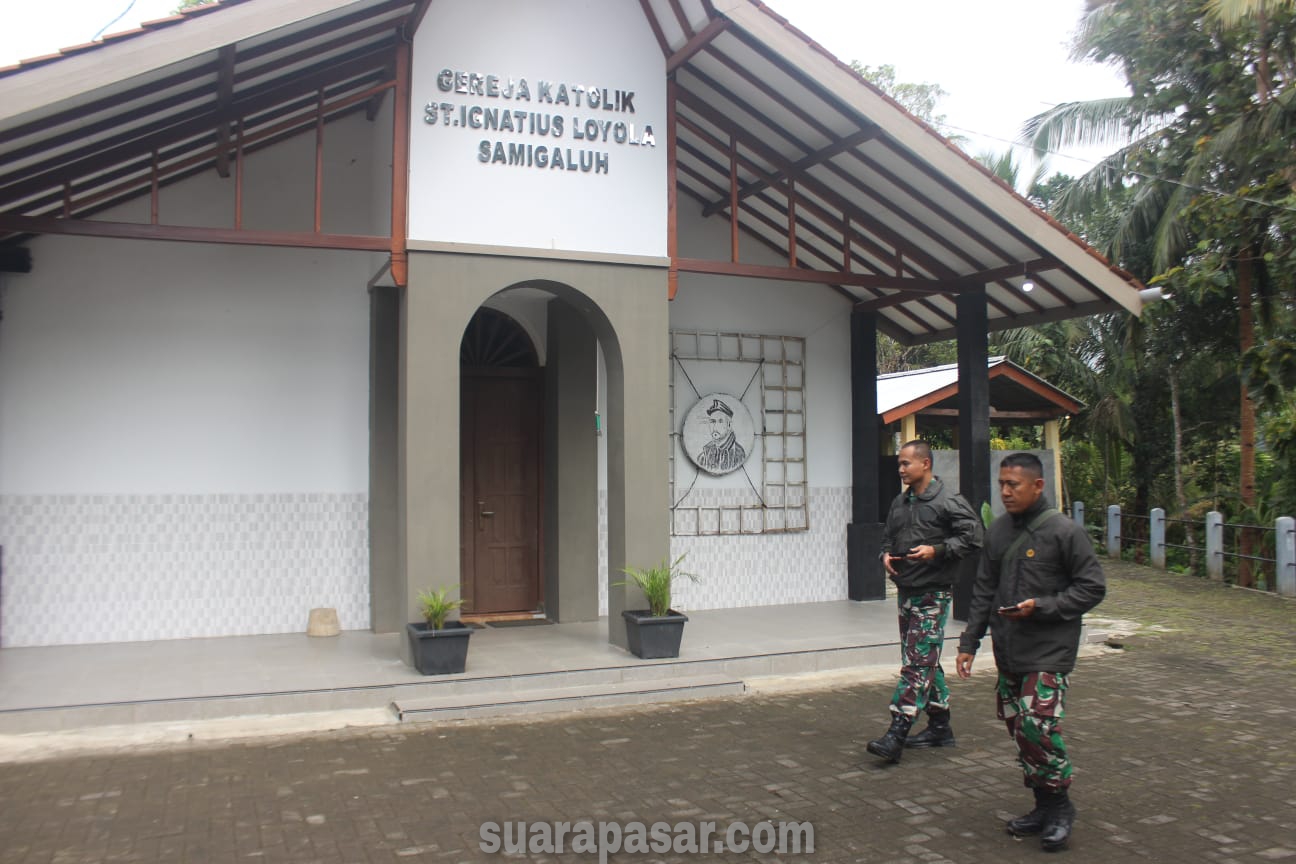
(1036, 578)
(928, 529)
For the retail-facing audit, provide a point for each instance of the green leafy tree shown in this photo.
(1205, 157)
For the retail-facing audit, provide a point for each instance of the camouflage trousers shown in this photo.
(1033, 706)
(922, 633)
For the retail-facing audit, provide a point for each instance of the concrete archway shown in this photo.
(625, 307)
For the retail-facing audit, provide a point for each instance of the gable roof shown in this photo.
(1015, 393)
(902, 218)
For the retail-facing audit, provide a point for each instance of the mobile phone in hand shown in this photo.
(1014, 608)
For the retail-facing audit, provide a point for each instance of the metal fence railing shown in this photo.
(1262, 554)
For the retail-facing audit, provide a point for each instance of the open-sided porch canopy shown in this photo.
(764, 123)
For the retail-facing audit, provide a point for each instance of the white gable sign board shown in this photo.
(539, 124)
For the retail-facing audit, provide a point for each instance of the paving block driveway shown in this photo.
(1183, 743)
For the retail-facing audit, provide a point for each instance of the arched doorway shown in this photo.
(501, 398)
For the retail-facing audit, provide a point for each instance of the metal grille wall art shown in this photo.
(738, 434)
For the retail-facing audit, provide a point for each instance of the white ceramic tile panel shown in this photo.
(120, 568)
(761, 569)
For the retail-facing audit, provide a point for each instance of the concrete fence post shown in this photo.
(1285, 555)
(1215, 545)
(1113, 531)
(1077, 512)
(1157, 537)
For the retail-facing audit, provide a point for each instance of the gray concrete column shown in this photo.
(637, 435)
(386, 586)
(570, 467)
(442, 295)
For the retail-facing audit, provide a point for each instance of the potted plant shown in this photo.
(440, 647)
(655, 632)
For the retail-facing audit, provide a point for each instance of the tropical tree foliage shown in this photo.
(1198, 197)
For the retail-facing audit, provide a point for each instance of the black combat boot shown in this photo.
(1032, 822)
(891, 745)
(1058, 820)
(938, 732)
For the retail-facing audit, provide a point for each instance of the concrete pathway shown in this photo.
(1183, 741)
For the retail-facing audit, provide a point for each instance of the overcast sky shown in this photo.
(999, 62)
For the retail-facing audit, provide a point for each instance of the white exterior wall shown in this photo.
(184, 427)
(473, 196)
(768, 569)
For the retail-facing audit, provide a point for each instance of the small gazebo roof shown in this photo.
(1015, 394)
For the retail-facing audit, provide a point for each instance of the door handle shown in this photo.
(484, 513)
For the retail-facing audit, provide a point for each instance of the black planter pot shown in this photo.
(654, 638)
(439, 652)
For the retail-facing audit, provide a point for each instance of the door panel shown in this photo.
(505, 483)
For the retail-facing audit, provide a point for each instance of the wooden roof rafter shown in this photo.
(848, 113)
(935, 236)
(801, 166)
(860, 240)
(100, 155)
(803, 276)
(697, 103)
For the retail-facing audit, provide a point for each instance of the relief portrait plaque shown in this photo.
(718, 434)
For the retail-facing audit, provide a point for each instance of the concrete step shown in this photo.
(568, 698)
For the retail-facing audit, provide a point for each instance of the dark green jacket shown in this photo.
(1057, 567)
(938, 518)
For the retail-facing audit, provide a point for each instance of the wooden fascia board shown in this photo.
(913, 406)
(1038, 386)
(656, 27)
(1040, 415)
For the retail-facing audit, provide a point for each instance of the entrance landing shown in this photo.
(510, 670)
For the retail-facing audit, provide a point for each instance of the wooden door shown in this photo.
(501, 489)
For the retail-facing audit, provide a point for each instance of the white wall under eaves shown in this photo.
(184, 427)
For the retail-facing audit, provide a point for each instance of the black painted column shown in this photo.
(865, 579)
(973, 422)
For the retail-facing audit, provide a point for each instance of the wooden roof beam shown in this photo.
(697, 43)
(189, 234)
(656, 27)
(935, 236)
(800, 166)
(224, 97)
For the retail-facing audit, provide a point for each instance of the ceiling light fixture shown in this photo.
(1028, 284)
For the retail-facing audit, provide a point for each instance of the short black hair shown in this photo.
(1028, 462)
(921, 449)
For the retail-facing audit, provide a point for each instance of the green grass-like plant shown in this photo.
(436, 605)
(656, 582)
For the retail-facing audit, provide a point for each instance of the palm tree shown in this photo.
(1203, 145)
